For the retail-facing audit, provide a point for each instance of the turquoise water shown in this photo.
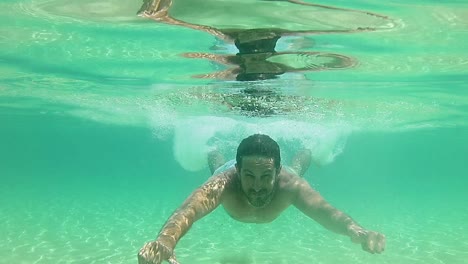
(104, 130)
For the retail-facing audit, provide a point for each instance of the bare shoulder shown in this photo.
(219, 182)
(290, 182)
(301, 193)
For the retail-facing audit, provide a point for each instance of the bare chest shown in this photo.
(240, 209)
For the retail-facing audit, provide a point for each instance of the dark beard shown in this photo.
(261, 201)
(257, 202)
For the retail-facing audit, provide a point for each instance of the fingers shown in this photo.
(375, 243)
(173, 260)
(149, 254)
(142, 260)
(380, 243)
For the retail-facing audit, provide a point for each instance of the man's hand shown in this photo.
(155, 253)
(370, 241)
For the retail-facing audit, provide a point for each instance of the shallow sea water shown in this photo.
(104, 129)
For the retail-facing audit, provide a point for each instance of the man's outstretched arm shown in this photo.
(311, 203)
(200, 203)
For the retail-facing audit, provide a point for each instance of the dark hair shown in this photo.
(260, 145)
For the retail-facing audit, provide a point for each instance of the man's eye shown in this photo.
(266, 176)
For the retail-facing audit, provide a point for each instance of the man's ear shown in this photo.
(279, 170)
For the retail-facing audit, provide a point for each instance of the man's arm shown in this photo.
(159, 10)
(200, 203)
(311, 203)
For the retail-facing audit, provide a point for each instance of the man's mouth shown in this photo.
(258, 193)
(258, 199)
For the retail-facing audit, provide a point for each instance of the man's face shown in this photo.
(258, 177)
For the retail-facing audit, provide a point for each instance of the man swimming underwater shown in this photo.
(255, 188)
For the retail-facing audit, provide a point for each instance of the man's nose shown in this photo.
(257, 185)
